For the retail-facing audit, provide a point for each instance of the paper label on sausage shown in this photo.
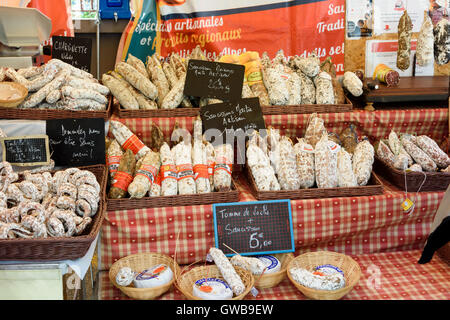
(158, 179)
(227, 167)
(211, 165)
(168, 172)
(307, 148)
(122, 180)
(201, 171)
(134, 144)
(334, 147)
(148, 171)
(185, 171)
(112, 162)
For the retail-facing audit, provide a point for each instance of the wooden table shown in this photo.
(433, 88)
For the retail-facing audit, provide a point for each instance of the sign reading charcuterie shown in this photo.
(262, 227)
(26, 150)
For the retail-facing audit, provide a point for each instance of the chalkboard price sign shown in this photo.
(242, 114)
(219, 80)
(26, 150)
(262, 227)
(238, 118)
(77, 142)
(74, 51)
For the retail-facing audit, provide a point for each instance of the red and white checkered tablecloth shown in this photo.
(385, 276)
(353, 225)
(375, 125)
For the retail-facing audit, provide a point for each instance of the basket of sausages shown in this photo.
(320, 164)
(57, 90)
(185, 171)
(50, 215)
(151, 89)
(156, 88)
(413, 163)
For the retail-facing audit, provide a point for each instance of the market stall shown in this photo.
(211, 161)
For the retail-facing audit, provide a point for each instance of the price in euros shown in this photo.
(217, 85)
(257, 241)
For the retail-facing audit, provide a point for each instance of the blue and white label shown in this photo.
(218, 289)
(328, 269)
(211, 282)
(272, 264)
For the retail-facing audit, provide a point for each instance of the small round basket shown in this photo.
(12, 103)
(138, 263)
(310, 260)
(186, 281)
(271, 280)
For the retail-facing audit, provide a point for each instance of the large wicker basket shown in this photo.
(310, 260)
(138, 263)
(47, 114)
(374, 187)
(14, 102)
(271, 280)
(174, 201)
(434, 181)
(186, 280)
(50, 249)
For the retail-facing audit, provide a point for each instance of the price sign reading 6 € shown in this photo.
(262, 227)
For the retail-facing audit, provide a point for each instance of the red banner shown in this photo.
(223, 27)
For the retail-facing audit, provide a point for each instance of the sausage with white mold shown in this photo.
(143, 102)
(352, 83)
(441, 33)
(137, 64)
(36, 98)
(122, 94)
(74, 93)
(418, 154)
(324, 88)
(363, 159)
(137, 80)
(425, 42)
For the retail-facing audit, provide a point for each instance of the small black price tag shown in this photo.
(26, 150)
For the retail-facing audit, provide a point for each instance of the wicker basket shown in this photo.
(138, 263)
(435, 181)
(270, 280)
(308, 108)
(310, 260)
(49, 249)
(266, 110)
(374, 187)
(15, 102)
(186, 280)
(46, 114)
(175, 201)
(156, 113)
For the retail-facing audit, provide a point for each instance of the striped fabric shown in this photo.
(385, 276)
